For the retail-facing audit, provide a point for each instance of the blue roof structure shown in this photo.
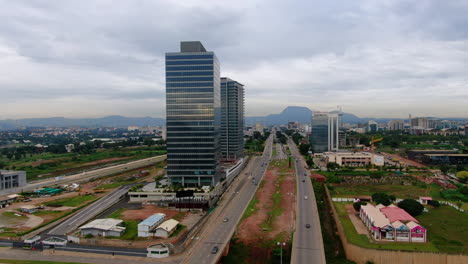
(154, 219)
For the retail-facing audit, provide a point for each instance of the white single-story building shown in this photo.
(30, 209)
(157, 251)
(103, 227)
(166, 228)
(147, 225)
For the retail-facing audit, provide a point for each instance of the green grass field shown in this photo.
(446, 229)
(400, 191)
(71, 161)
(131, 230)
(363, 241)
(71, 202)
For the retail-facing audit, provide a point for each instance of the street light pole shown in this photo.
(281, 250)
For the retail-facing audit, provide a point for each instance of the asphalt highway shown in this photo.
(219, 233)
(307, 245)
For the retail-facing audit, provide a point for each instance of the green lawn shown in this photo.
(400, 191)
(71, 202)
(131, 230)
(11, 261)
(446, 229)
(363, 241)
(113, 185)
(251, 208)
(117, 213)
(179, 229)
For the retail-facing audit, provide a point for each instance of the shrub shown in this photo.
(411, 206)
(434, 203)
(88, 236)
(357, 205)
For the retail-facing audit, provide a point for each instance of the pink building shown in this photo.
(392, 223)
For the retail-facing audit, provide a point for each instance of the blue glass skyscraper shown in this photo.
(193, 115)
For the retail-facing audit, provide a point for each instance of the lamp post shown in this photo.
(281, 244)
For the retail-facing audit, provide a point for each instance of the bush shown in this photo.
(434, 203)
(357, 205)
(88, 236)
(411, 206)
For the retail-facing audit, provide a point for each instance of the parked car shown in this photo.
(305, 197)
(307, 225)
(225, 219)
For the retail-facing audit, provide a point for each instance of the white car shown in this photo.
(305, 197)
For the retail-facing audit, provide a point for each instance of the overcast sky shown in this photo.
(375, 58)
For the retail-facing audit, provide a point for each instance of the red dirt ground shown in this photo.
(148, 210)
(249, 231)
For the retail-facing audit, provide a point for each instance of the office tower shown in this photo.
(319, 136)
(232, 119)
(372, 126)
(334, 124)
(193, 110)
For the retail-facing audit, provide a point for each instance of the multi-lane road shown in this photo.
(220, 229)
(84, 176)
(307, 243)
(89, 212)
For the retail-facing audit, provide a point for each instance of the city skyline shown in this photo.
(375, 59)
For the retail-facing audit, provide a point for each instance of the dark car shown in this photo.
(303, 180)
(307, 225)
(214, 250)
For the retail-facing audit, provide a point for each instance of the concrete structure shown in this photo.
(166, 228)
(147, 225)
(193, 111)
(158, 251)
(54, 242)
(396, 125)
(103, 227)
(418, 154)
(353, 159)
(29, 209)
(232, 119)
(453, 159)
(12, 179)
(334, 124)
(392, 223)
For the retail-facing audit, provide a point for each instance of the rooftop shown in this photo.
(103, 224)
(169, 224)
(397, 214)
(153, 219)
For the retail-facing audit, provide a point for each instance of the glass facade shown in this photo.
(193, 109)
(319, 136)
(232, 119)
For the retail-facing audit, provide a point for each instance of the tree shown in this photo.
(304, 149)
(460, 167)
(383, 198)
(462, 176)
(357, 205)
(332, 166)
(411, 206)
(444, 168)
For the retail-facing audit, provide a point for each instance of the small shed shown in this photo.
(157, 251)
(103, 227)
(166, 228)
(30, 209)
(425, 200)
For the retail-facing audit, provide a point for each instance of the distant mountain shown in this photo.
(289, 114)
(108, 121)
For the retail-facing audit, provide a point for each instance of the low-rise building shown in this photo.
(453, 159)
(103, 227)
(418, 154)
(147, 225)
(166, 228)
(11, 179)
(353, 159)
(30, 209)
(392, 223)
